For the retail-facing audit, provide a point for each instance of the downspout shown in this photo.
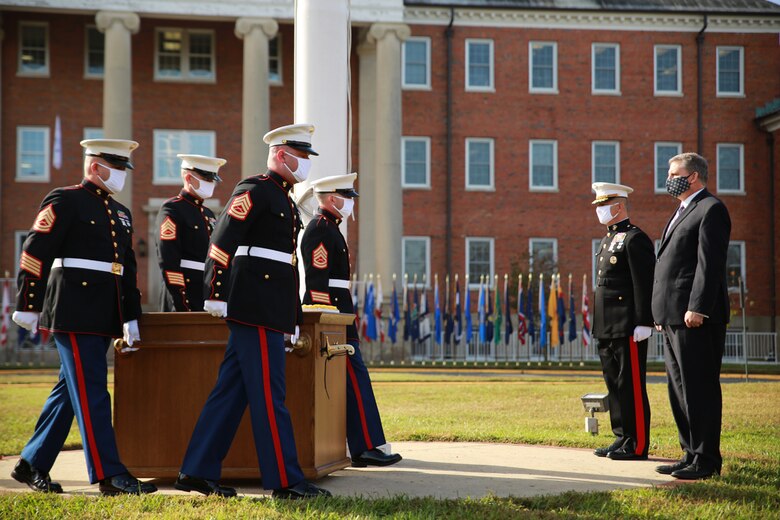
(770, 140)
(448, 160)
(699, 101)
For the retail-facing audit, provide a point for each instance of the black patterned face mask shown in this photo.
(676, 186)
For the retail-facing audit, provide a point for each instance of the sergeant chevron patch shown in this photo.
(320, 297)
(45, 220)
(241, 206)
(30, 264)
(168, 229)
(175, 278)
(219, 256)
(319, 257)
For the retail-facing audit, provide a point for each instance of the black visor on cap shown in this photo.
(116, 160)
(300, 145)
(209, 176)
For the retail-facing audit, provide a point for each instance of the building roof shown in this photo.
(660, 6)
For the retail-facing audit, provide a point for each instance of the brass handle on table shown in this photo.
(333, 350)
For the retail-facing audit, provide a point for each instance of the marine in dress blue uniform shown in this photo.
(251, 278)
(326, 261)
(184, 228)
(622, 321)
(78, 273)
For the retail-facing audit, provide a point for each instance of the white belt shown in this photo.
(339, 284)
(270, 254)
(92, 265)
(192, 264)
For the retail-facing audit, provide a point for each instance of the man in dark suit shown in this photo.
(622, 321)
(691, 307)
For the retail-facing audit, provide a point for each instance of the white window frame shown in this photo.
(656, 188)
(417, 86)
(481, 187)
(474, 284)
(275, 81)
(741, 92)
(531, 187)
(156, 181)
(87, 73)
(605, 91)
(427, 183)
(741, 147)
(542, 90)
(44, 73)
(742, 265)
(46, 153)
(427, 273)
(616, 144)
(677, 92)
(531, 250)
(185, 76)
(491, 47)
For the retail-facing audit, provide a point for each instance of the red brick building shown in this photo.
(510, 110)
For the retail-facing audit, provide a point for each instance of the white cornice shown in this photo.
(613, 21)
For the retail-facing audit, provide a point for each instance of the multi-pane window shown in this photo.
(543, 66)
(185, 54)
(668, 70)
(417, 258)
(479, 163)
(730, 168)
(94, 53)
(33, 49)
(606, 161)
(664, 152)
(479, 64)
(543, 255)
(275, 60)
(606, 68)
(168, 143)
(735, 264)
(416, 63)
(543, 165)
(32, 153)
(415, 162)
(730, 71)
(479, 260)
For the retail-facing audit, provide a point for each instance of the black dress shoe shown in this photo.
(37, 480)
(602, 452)
(375, 457)
(625, 454)
(201, 485)
(125, 484)
(695, 471)
(303, 489)
(668, 469)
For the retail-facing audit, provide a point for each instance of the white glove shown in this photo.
(26, 320)
(291, 338)
(130, 335)
(216, 308)
(641, 333)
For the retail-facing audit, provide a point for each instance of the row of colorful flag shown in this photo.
(453, 322)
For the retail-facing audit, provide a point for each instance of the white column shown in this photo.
(367, 178)
(256, 97)
(389, 196)
(118, 81)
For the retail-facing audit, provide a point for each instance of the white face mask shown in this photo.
(302, 172)
(604, 213)
(205, 190)
(346, 209)
(116, 179)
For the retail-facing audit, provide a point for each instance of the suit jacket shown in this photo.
(690, 270)
(624, 282)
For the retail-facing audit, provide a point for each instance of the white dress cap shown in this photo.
(115, 151)
(295, 136)
(203, 165)
(607, 190)
(340, 184)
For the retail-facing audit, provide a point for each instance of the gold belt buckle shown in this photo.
(116, 268)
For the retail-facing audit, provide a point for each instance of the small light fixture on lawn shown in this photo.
(594, 403)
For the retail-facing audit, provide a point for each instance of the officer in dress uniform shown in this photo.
(78, 275)
(251, 279)
(622, 321)
(326, 260)
(185, 226)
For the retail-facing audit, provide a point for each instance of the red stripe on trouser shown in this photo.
(269, 407)
(639, 406)
(91, 444)
(361, 411)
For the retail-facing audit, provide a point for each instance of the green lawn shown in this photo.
(542, 410)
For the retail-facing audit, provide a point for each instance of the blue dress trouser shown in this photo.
(253, 373)
(81, 392)
(364, 426)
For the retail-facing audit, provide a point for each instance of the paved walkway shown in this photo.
(438, 469)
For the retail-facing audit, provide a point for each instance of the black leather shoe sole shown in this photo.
(142, 489)
(668, 469)
(41, 486)
(601, 452)
(686, 474)
(360, 462)
(222, 491)
(617, 455)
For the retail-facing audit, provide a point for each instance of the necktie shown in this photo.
(676, 216)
